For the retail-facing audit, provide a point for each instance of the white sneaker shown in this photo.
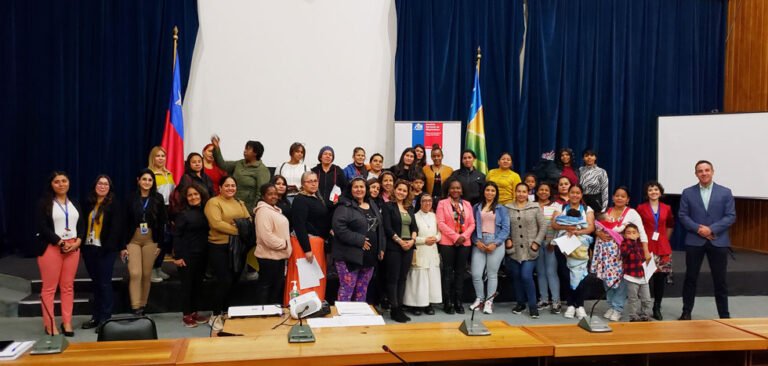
(488, 307)
(155, 278)
(608, 313)
(569, 312)
(162, 274)
(581, 312)
(616, 316)
(475, 304)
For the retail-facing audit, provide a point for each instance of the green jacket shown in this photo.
(249, 177)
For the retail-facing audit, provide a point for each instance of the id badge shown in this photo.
(68, 234)
(144, 228)
(655, 235)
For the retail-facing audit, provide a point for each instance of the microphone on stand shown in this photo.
(389, 350)
(472, 328)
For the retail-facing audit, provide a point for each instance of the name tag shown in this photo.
(68, 234)
(655, 235)
(144, 228)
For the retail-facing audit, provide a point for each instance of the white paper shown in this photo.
(567, 244)
(353, 308)
(309, 273)
(346, 321)
(335, 193)
(19, 348)
(254, 310)
(649, 268)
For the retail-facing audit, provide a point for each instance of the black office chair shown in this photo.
(130, 328)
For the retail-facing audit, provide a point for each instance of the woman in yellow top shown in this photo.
(221, 211)
(505, 178)
(436, 173)
(165, 185)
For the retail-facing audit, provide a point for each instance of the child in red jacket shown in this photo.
(634, 276)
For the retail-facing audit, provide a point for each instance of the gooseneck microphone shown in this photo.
(389, 350)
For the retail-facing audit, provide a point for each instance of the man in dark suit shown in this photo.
(707, 210)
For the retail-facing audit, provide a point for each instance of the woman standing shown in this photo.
(420, 154)
(472, 181)
(357, 241)
(221, 212)
(211, 169)
(250, 172)
(400, 229)
(526, 234)
(357, 168)
(330, 177)
(491, 230)
(165, 183)
(564, 162)
(311, 225)
(60, 229)
(281, 186)
(576, 267)
(594, 179)
(606, 258)
(422, 286)
(405, 168)
(562, 198)
(377, 164)
(546, 263)
(659, 223)
(436, 173)
(190, 245)
(273, 246)
(146, 217)
(456, 223)
(387, 180)
(505, 179)
(293, 169)
(103, 241)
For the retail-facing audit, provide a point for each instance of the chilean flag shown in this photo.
(173, 135)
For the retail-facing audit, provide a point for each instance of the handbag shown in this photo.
(239, 244)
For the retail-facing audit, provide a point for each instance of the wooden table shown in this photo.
(155, 352)
(648, 337)
(415, 342)
(756, 326)
(257, 325)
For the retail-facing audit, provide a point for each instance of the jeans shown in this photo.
(616, 296)
(638, 293)
(100, 265)
(546, 270)
(490, 263)
(718, 264)
(453, 264)
(522, 274)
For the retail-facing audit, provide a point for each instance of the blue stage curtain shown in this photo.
(599, 73)
(437, 44)
(85, 86)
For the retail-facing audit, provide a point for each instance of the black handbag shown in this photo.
(240, 244)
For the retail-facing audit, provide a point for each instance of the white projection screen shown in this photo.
(734, 143)
(284, 71)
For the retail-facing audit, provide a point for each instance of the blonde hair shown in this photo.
(152, 154)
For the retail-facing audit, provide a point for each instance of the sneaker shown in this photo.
(475, 304)
(162, 274)
(217, 323)
(199, 319)
(616, 316)
(534, 313)
(570, 312)
(518, 309)
(556, 307)
(188, 321)
(542, 304)
(488, 307)
(156, 276)
(581, 312)
(608, 313)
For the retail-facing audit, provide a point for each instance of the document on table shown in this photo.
(15, 350)
(353, 308)
(649, 268)
(309, 273)
(346, 321)
(567, 244)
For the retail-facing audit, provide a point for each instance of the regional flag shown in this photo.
(475, 139)
(173, 136)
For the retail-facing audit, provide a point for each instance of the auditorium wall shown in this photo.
(746, 90)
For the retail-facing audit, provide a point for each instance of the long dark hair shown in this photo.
(188, 166)
(200, 189)
(93, 198)
(558, 158)
(416, 161)
(153, 189)
(492, 207)
(48, 194)
(400, 167)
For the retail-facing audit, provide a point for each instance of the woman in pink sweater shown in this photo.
(273, 246)
(456, 223)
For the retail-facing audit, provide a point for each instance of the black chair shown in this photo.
(130, 328)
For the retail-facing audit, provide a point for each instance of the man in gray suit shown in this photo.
(707, 210)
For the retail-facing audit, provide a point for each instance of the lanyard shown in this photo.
(93, 217)
(64, 208)
(144, 211)
(656, 216)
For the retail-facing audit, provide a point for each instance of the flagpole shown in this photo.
(479, 55)
(175, 44)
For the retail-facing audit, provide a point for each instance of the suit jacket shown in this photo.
(719, 216)
(44, 229)
(393, 225)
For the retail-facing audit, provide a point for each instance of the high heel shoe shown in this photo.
(71, 333)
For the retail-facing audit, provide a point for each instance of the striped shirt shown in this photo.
(594, 180)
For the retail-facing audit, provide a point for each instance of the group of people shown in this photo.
(408, 233)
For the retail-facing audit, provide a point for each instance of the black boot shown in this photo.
(657, 311)
(428, 310)
(459, 307)
(448, 307)
(398, 315)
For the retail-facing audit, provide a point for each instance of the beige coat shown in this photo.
(273, 237)
(526, 226)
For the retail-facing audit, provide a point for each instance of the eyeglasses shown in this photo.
(102, 184)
